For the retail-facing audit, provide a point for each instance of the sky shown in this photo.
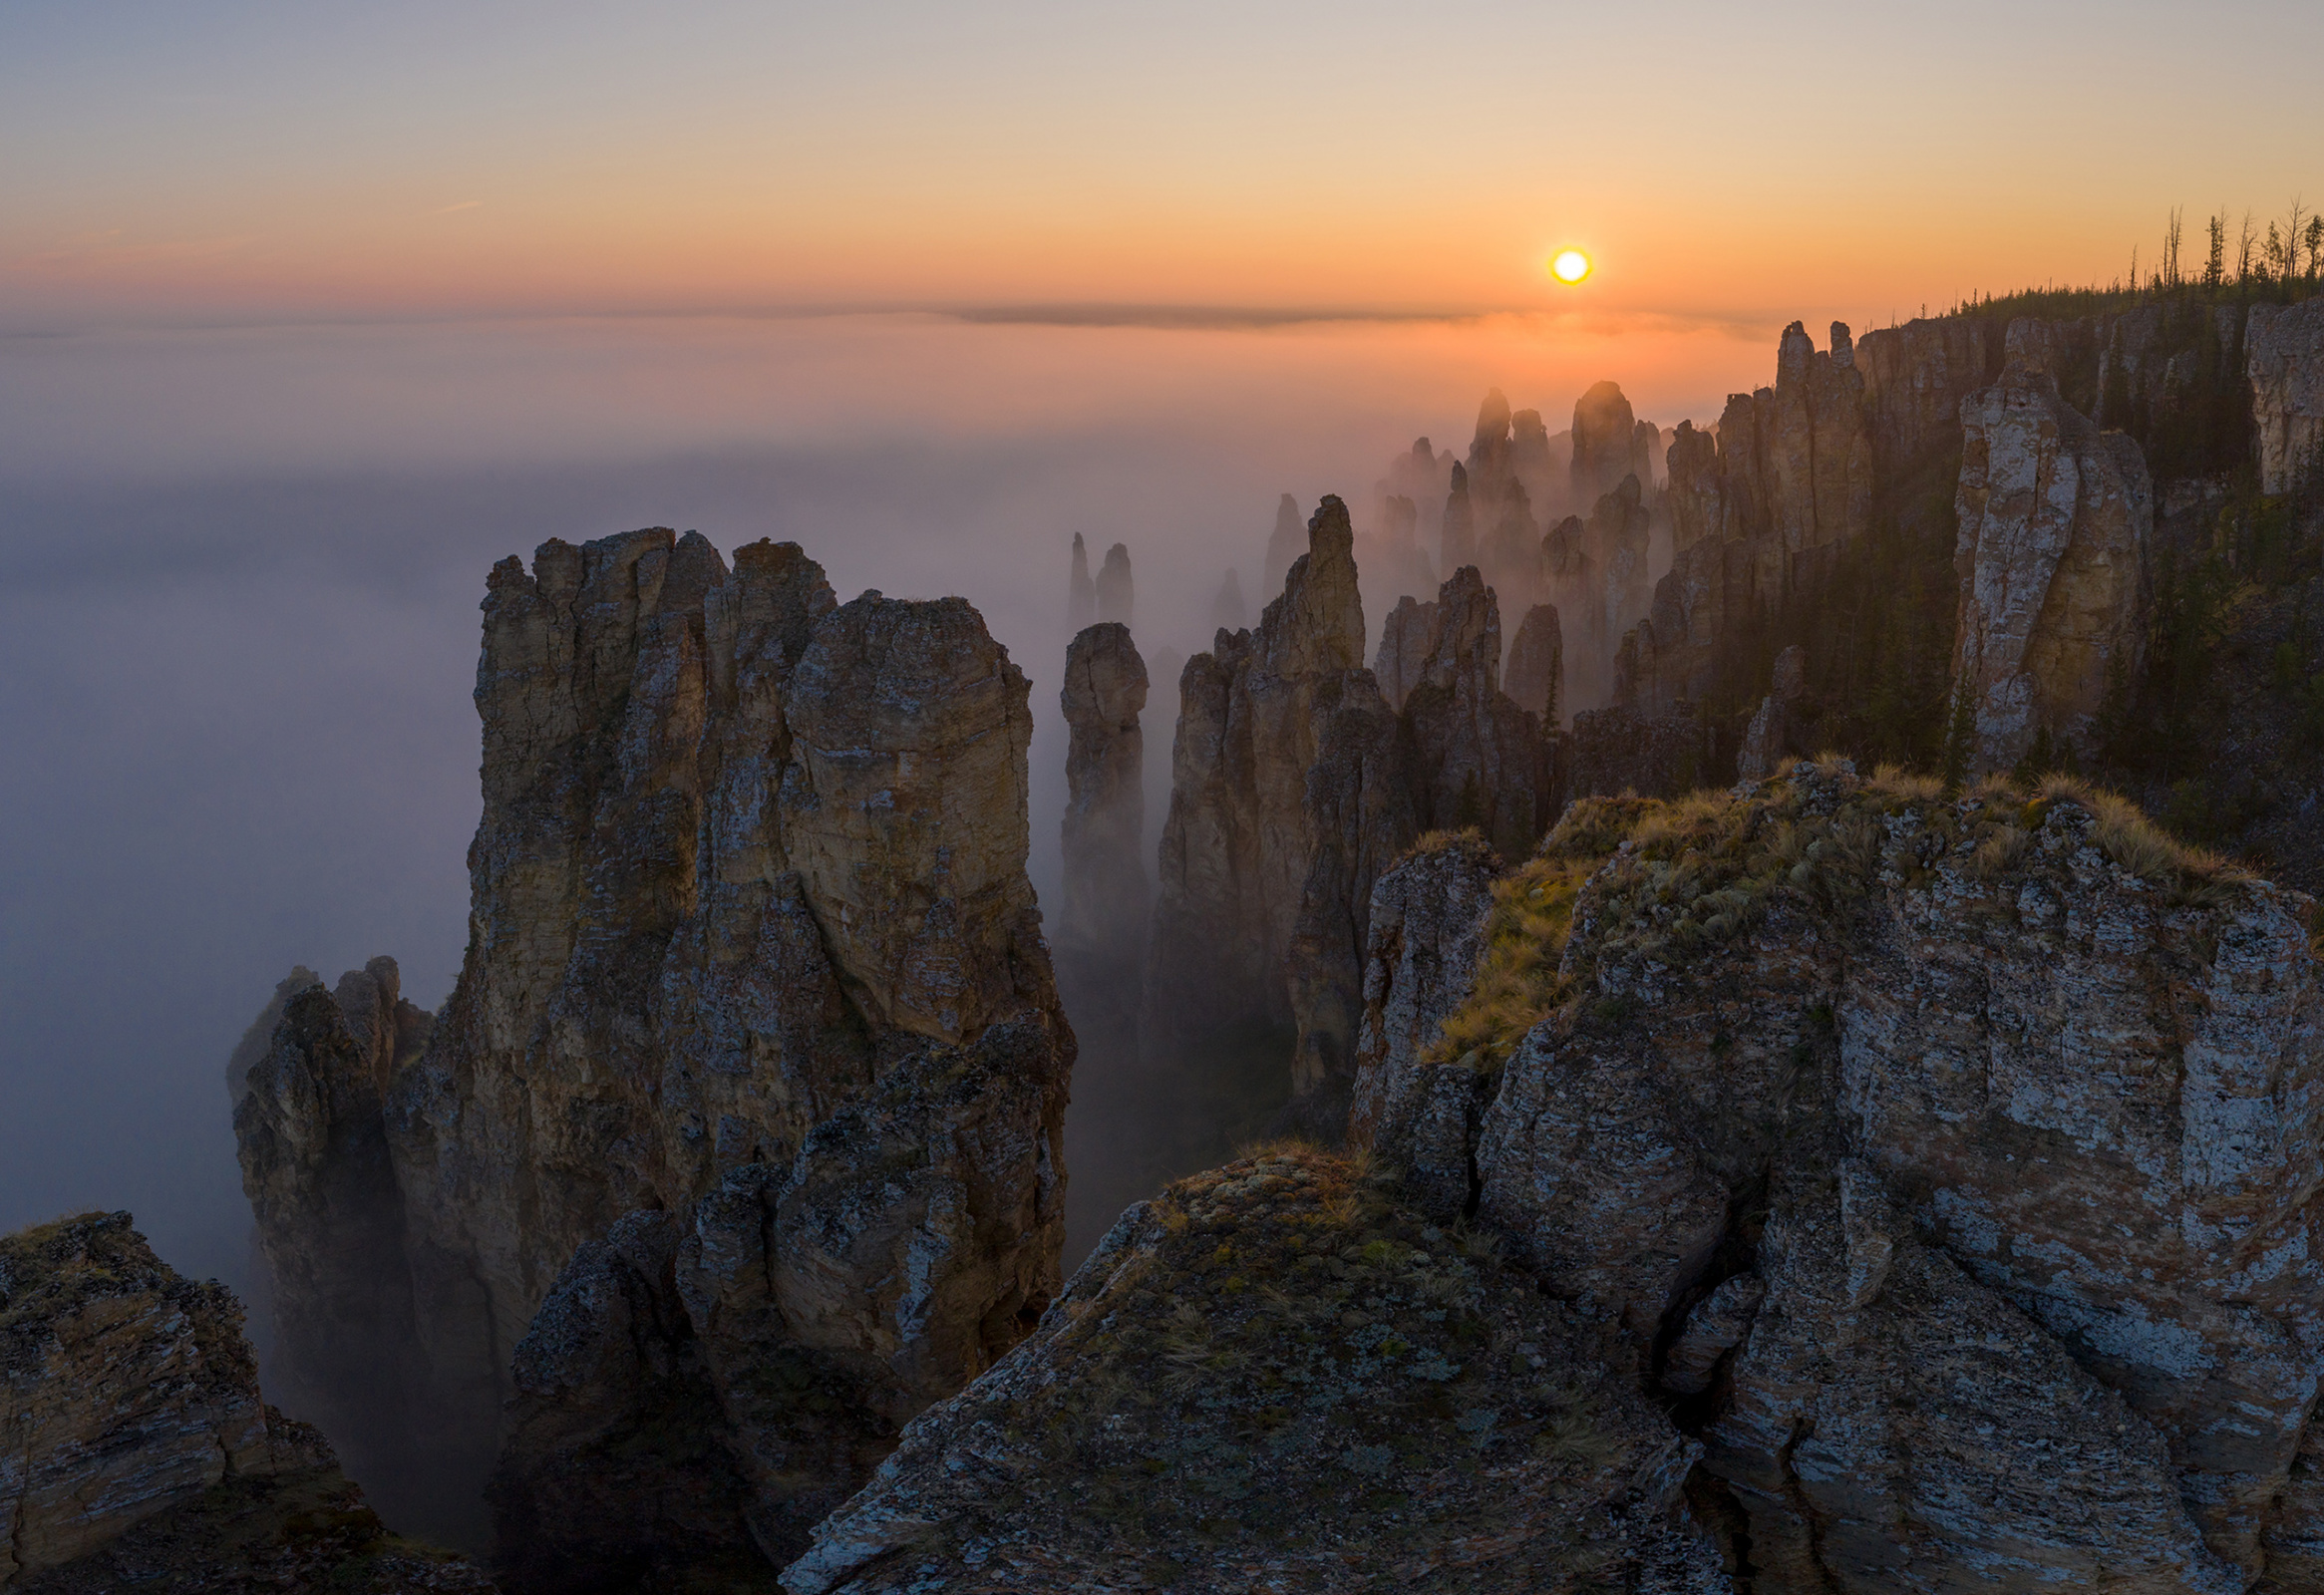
(309, 313)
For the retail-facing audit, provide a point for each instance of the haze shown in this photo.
(309, 314)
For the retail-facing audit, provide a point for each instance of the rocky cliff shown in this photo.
(140, 1455)
(1537, 664)
(2054, 520)
(1278, 1376)
(1945, 1164)
(1608, 445)
(2284, 360)
(752, 946)
(1758, 516)
(1100, 933)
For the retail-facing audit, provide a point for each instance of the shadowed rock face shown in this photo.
(2054, 520)
(1081, 593)
(1537, 667)
(1407, 637)
(1955, 1186)
(1395, 1413)
(752, 936)
(1103, 921)
(126, 1390)
(1117, 598)
(317, 1167)
(1756, 515)
(1608, 444)
(2284, 360)
(1457, 544)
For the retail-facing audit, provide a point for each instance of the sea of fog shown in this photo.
(242, 563)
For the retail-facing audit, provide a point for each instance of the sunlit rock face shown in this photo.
(1915, 377)
(2054, 520)
(1955, 1183)
(749, 914)
(1103, 921)
(2284, 360)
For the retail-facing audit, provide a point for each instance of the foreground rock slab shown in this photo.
(1277, 1376)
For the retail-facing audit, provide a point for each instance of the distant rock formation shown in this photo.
(1176, 1458)
(752, 947)
(1277, 831)
(1116, 600)
(1228, 612)
(1100, 932)
(1392, 562)
(2284, 360)
(1081, 594)
(1609, 443)
(1239, 838)
(312, 1137)
(1509, 553)
(1285, 543)
(1490, 467)
(1458, 546)
(2054, 520)
(1407, 637)
(1760, 515)
(139, 1453)
(1536, 666)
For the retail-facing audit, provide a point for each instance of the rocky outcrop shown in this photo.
(1081, 594)
(1608, 445)
(1458, 546)
(1101, 924)
(126, 1390)
(1274, 1376)
(312, 1138)
(1915, 377)
(1285, 543)
(1240, 839)
(1295, 783)
(1228, 611)
(749, 905)
(1537, 667)
(1757, 519)
(1411, 1113)
(140, 1455)
(1407, 637)
(1767, 740)
(1946, 1163)
(2284, 360)
(1117, 599)
(2054, 520)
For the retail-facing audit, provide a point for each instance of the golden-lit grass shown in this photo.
(1704, 868)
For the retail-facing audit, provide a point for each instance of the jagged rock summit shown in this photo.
(752, 947)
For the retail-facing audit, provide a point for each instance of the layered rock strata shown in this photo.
(2055, 520)
(1946, 1162)
(752, 946)
(1102, 923)
(1275, 1376)
(2284, 362)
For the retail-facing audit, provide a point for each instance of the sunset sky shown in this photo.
(250, 159)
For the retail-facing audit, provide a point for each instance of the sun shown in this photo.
(1569, 266)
